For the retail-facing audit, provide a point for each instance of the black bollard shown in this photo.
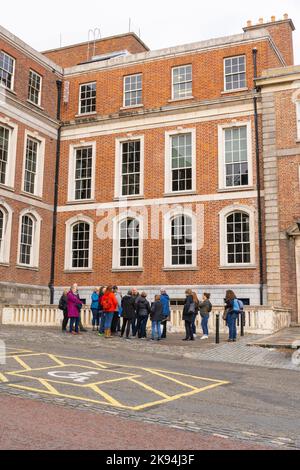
(218, 328)
(242, 323)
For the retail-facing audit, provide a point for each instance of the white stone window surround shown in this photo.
(12, 151)
(117, 221)
(118, 166)
(221, 154)
(168, 160)
(12, 87)
(72, 170)
(40, 163)
(68, 242)
(187, 96)
(179, 211)
(33, 73)
(223, 214)
(230, 90)
(35, 253)
(6, 235)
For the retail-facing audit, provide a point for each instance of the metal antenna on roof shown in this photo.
(129, 25)
(93, 36)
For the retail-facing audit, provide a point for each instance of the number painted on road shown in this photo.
(79, 377)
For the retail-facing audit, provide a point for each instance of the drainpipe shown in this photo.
(258, 178)
(56, 186)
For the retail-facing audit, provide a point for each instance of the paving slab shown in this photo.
(289, 338)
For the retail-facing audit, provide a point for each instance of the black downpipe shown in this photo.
(258, 177)
(56, 186)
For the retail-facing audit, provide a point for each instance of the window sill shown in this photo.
(226, 92)
(33, 196)
(175, 100)
(78, 271)
(38, 106)
(130, 198)
(181, 193)
(8, 188)
(181, 268)
(93, 113)
(27, 268)
(4, 265)
(3, 87)
(83, 201)
(238, 266)
(128, 108)
(236, 189)
(127, 270)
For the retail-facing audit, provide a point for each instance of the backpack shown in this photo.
(238, 306)
(107, 304)
(61, 304)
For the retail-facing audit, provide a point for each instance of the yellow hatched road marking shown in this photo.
(151, 389)
(172, 379)
(183, 375)
(55, 359)
(3, 378)
(22, 363)
(48, 386)
(107, 397)
(100, 364)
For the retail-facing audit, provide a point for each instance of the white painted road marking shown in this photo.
(79, 377)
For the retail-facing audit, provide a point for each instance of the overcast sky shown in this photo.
(162, 23)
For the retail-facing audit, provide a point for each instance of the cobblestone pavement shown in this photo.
(258, 406)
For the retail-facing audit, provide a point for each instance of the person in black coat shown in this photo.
(63, 305)
(189, 312)
(156, 317)
(128, 314)
(143, 310)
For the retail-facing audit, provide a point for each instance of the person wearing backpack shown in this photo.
(189, 313)
(109, 304)
(205, 309)
(232, 310)
(63, 305)
(143, 310)
(95, 309)
(156, 316)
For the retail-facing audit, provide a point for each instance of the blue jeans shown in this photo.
(142, 323)
(108, 320)
(96, 315)
(76, 321)
(204, 324)
(102, 322)
(134, 326)
(231, 323)
(194, 324)
(156, 329)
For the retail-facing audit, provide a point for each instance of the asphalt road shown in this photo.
(197, 405)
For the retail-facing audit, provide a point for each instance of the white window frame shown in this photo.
(118, 166)
(80, 113)
(68, 242)
(40, 90)
(72, 169)
(232, 90)
(12, 152)
(221, 155)
(185, 97)
(298, 119)
(13, 74)
(116, 241)
(168, 160)
(39, 179)
(180, 211)
(7, 226)
(138, 89)
(37, 221)
(223, 214)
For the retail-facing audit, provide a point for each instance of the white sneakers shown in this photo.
(204, 337)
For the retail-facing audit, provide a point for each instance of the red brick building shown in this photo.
(158, 179)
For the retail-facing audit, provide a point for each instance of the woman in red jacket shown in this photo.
(110, 305)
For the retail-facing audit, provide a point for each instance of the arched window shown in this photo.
(80, 245)
(182, 241)
(238, 238)
(29, 238)
(129, 243)
(5, 232)
(26, 244)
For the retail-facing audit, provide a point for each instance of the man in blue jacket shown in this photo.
(165, 300)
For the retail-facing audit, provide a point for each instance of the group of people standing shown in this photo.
(109, 307)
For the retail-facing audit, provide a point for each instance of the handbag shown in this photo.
(192, 309)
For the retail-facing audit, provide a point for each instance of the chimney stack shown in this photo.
(249, 24)
(286, 16)
(261, 21)
(273, 19)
